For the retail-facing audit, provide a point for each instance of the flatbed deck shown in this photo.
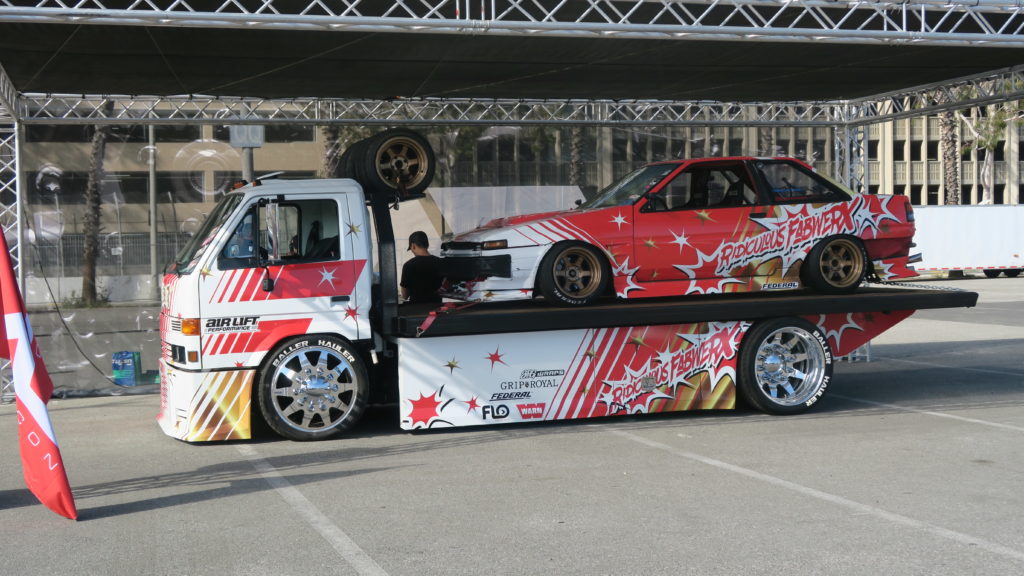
(533, 315)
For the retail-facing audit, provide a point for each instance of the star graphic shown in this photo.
(495, 358)
(472, 404)
(351, 312)
(619, 220)
(451, 365)
(650, 243)
(239, 364)
(424, 409)
(326, 276)
(704, 216)
(205, 272)
(353, 229)
(591, 353)
(637, 340)
(680, 239)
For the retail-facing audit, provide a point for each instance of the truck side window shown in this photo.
(310, 231)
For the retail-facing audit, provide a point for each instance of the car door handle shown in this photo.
(758, 214)
(339, 299)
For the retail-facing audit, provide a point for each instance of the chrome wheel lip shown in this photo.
(324, 389)
(790, 366)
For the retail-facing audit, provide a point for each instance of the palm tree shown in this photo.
(950, 157)
(93, 203)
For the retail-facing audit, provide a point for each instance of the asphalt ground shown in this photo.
(911, 464)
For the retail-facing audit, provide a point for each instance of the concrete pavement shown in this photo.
(911, 464)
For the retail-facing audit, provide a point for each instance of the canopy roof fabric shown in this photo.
(268, 63)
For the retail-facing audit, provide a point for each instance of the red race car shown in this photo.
(698, 226)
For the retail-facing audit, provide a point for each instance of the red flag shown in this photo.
(40, 456)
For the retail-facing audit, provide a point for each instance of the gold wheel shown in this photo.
(842, 263)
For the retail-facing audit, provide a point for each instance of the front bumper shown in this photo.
(205, 406)
(473, 267)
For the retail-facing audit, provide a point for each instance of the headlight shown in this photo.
(494, 245)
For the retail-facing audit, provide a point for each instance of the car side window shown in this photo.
(788, 182)
(240, 249)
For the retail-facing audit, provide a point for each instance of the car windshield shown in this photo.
(631, 187)
(187, 258)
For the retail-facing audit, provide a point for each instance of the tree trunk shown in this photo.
(93, 202)
(950, 158)
(988, 169)
(332, 151)
(576, 156)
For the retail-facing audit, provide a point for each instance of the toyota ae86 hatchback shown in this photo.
(698, 226)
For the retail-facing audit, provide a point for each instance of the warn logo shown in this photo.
(531, 411)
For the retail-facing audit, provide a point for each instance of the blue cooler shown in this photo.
(126, 368)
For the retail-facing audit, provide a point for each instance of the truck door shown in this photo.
(286, 269)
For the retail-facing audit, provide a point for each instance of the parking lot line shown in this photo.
(931, 413)
(336, 537)
(958, 537)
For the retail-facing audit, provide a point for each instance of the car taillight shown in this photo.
(910, 212)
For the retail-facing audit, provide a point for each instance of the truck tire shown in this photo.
(394, 160)
(991, 273)
(837, 265)
(1012, 273)
(573, 274)
(312, 388)
(785, 365)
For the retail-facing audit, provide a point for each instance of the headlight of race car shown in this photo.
(494, 245)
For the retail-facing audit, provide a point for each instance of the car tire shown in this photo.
(992, 273)
(1012, 273)
(313, 387)
(396, 161)
(785, 366)
(573, 274)
(837, 265)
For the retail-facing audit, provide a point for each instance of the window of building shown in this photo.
(1000, 151)
(933, 194)
(274, 133)
(915, 195)
(899, 153)
(998, 193)
(933, 150)
(873, 149)
(915, 151)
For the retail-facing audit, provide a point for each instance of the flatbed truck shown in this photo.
(284, 309)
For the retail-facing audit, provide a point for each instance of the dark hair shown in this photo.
(419, 238)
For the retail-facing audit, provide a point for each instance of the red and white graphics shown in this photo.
(461, 381)
(696, 227)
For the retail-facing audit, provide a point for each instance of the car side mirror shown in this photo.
(268, 283)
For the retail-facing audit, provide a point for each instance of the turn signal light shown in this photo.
(190, 326)
(494, 245)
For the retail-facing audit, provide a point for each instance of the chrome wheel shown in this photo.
(313, 388)
(790, 366)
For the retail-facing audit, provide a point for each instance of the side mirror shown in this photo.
(268, 283)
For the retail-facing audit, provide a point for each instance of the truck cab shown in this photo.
(274, 259)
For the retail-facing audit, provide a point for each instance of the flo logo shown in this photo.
(531, 411)
(499, 412)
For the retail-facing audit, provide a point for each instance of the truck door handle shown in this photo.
(758, 214)
(339, 299)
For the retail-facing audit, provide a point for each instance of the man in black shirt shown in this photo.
(421, 276)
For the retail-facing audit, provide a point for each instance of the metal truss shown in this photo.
(8, 97)
(78, 109)
(1005, 85)
(932, 22)
(993, 87)
(10, 224)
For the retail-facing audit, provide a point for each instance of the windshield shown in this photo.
(631, 187)
(187, 258)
